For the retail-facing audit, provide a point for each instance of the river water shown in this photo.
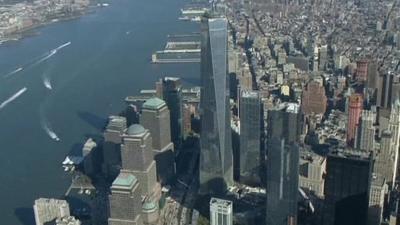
(50, 87)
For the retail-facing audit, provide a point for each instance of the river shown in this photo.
(71, 90)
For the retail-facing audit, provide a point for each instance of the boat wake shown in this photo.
(51, 53)
(12, 98)
(63, 46)
(13, 72)
(46, 82)
(37, 60)
(46, 57)
(46, 127)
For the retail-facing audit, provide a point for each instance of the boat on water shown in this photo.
(47, 83)
(184, 18)
(196, 19)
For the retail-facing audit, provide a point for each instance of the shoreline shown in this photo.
(32, 30)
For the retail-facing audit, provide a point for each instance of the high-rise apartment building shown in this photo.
(216, 159)
(284, 129)
(221, 212)
(251, 137)
(125, 201)
(156, 117)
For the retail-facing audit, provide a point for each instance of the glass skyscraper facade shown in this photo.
(284, 129)
(347, 187)
(251, 129)
(216, 169)
(172, 95)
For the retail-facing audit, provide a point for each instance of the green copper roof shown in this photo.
(124, 180)
(149, 206)
(135, 129)
(153, 103)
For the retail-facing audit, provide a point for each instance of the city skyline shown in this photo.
(253, 113)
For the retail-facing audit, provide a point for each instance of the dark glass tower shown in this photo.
(172, 95)
(216, 169)
(347, 187)
(284, 129)
(251, 127)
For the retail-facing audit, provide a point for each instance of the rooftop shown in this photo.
(220, 202)
(135, 129)
(153, 103)
(116, 123)
(124, 180)
(249, 94)
(149, 206)
(172, 78)
(89, 145)
(350, 153)
(51, 201)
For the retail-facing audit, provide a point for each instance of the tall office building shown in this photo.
(362, 71)
(48, 210)
(312, 171)
(315, 58)
(384, 98)
(284, 129)
(376, 200)
(156, 117)
(187, 120)
(323, 57)
(90, 157)
(394, 127)
(111, 147)
(385, 161)
(137, 157)
(125, 201)
(347, 187)
(354, 109)
(314, 99)
(251, 137)
(171, 88)
(221, 212)
(216, 159)
(398, 40)
(372, 74)
(365, 139)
